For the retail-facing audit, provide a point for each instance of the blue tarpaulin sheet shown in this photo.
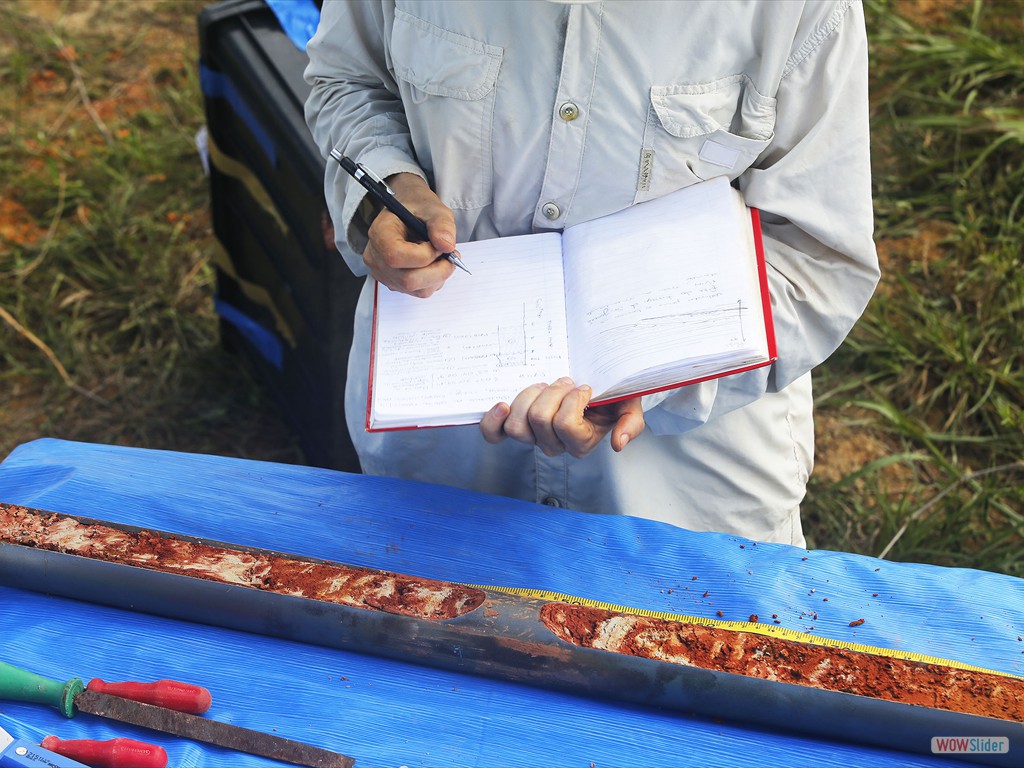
(388, 714)
(298, 19)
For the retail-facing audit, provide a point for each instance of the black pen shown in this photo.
(376, 186)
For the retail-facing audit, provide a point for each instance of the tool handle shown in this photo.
(21, 685)
(169, 694)
(113, 753)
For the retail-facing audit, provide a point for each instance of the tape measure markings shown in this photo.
(750, 627)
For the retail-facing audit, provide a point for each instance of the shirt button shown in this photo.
(551, 211)
(568, 111)
(552, 501)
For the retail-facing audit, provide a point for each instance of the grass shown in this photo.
(935, 370)
(107, 332)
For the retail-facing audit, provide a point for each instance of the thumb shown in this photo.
(629, 424)
(441, 230)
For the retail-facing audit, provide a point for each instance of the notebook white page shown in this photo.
(485, 336)
(668, 280)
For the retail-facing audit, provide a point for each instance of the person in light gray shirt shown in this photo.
(492, 119)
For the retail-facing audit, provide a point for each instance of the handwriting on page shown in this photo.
(684, 288)
(428, 349)
(426, 366)
(698, 303)
(664, 316)
(692, 317)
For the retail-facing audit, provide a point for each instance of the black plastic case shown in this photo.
(285, 296)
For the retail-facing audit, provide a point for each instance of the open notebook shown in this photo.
(666, 293)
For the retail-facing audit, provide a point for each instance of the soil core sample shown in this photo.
(540, 631)
(788, 661)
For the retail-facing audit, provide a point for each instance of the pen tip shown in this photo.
(454, 259)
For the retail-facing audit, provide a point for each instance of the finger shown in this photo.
(441, 229)
(418, 285)
(629, 425)
(417, 281)
(517, 425)
(544, 410)
(394, 246)
(425, 281)
(575, 431)
(493, 423)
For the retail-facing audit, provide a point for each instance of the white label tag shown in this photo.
(643, 181)
(719, 154)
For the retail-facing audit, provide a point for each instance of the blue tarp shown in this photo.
(389, 714)
(298, 19)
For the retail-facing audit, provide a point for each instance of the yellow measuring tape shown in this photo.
(750, 627)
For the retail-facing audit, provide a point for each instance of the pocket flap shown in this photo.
(443, 63)
(730, 104)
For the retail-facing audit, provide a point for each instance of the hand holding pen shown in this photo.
(385, 196)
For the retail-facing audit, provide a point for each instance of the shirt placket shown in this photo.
(571, 117)
(562, 172)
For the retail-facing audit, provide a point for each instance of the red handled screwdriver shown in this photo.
(113, 753)
(169, 694)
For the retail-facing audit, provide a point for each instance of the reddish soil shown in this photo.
(787, 661)
(329, 582)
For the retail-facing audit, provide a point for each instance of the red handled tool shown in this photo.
(113, 753)
(169, 694)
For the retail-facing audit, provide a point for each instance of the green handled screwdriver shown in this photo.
(21, 685)
(170, 694)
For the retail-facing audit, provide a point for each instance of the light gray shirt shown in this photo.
(533, 116)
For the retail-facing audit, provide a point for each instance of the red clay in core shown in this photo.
(329, 582)
(789, 661)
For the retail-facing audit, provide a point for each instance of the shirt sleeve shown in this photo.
(355, 105)
(813, 188)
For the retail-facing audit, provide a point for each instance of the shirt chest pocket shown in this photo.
(699, 131)
(447, 81)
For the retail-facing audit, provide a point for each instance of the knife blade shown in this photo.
(71, 696)
(208, 731)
